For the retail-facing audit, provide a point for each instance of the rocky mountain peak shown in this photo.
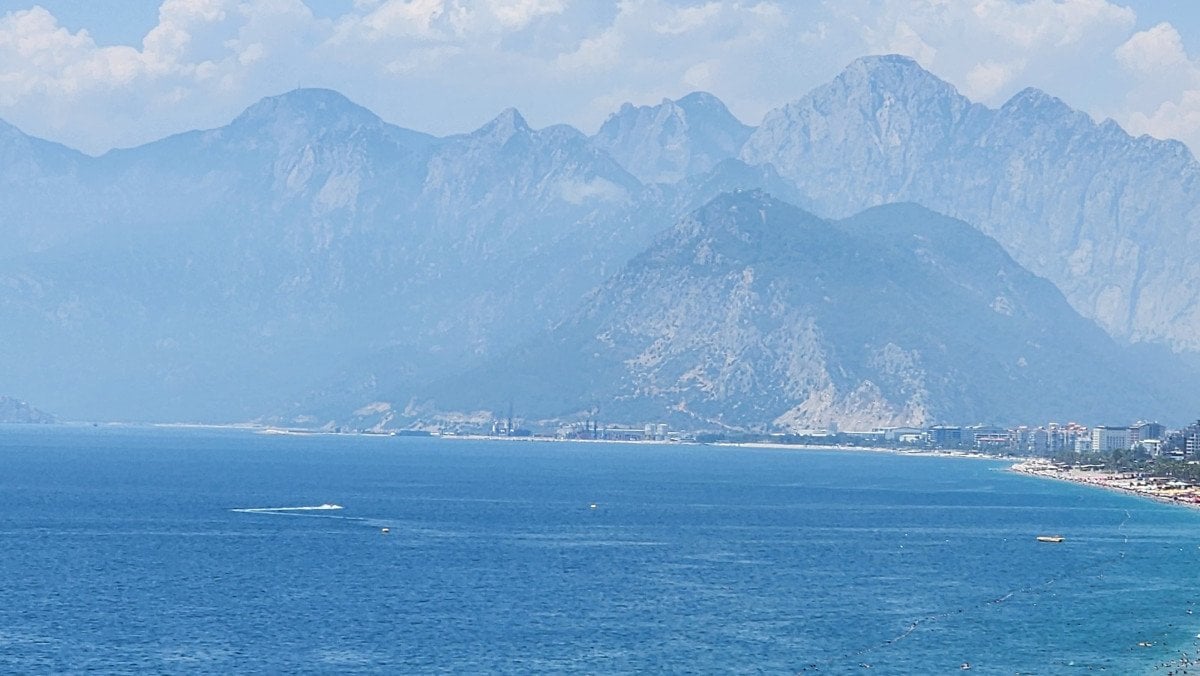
(881, 111)
(507, 124)
(1084, 204)
(698, 102)
(300, 118)
(890, 95)
(875, 64)
(674, 139)
(738, 228)
(1032, 102)
(752, 313)
(892, 75)
(738, 211)
(311, 107)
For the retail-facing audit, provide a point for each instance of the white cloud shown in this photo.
(578, 191)
(700, 76)
(1163, 99)
(514, 14)
(992, 48)
(193, 69)
(687, 19)
(600, 52)
(902, 39)
(986, 79)
(1149, 51)
(1056, 23)
(441, 20)
(421, 60)
(744, 52)
(39, 58)
(1178, 119)
(448, 65)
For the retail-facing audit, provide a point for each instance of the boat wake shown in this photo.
(269, 510)
(316, 512)
(313, 511)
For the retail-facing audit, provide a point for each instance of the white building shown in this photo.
(1106, 439)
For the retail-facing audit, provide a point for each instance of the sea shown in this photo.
(170, 550)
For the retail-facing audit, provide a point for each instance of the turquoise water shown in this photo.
(121, 552)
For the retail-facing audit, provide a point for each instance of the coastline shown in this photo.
(1159, 489)
(756, 445)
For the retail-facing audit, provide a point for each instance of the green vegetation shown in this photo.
(1138, 461)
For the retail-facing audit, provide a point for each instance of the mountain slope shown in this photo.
(17, 411)
(35, 177)
(309, 254)
(753, 314)
(1110, 219)
(673, 140)
(309, 259)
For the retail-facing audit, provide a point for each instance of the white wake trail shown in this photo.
(311, 511)
(267, 510)
(315, 512)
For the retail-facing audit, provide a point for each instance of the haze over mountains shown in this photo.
(1112, 220)
(673, 140)
(17, 411)
(750, 311)
(310, 261)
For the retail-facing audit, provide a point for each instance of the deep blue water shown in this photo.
(119, 551)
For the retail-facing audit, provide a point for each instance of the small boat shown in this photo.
(1050, 538)
(385, 531)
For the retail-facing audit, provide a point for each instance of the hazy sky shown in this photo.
(95, 75)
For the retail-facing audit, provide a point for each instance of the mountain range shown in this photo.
(312, 264)
(1109, 218)
(753, 314)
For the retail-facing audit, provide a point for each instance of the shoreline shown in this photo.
(1158, 489)
(277, 431)
(272, 430)
(755, 445)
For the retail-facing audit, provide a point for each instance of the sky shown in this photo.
(95, 75)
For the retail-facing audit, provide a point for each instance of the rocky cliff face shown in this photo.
(20, 412)
(309, 260)
(1110, 219)
(751, 313)
(673, 140)
(307, 252)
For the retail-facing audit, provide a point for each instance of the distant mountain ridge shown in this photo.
(673, 140)
(752, 314)
(306, 250)
(310, 263)
(1109, 218)
(20, 412)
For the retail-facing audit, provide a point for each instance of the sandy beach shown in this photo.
(1163, 489)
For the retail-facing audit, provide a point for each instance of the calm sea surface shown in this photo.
(120, 551)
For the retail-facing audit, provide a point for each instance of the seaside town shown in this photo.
(1144, 458)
